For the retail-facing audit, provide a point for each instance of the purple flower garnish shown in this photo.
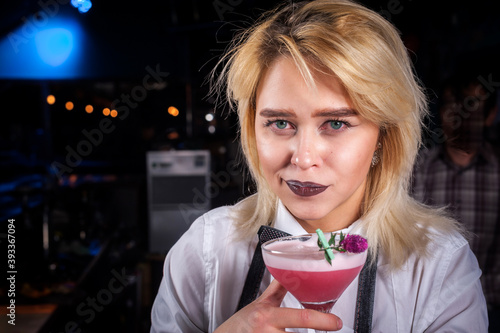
(347, 243)
(354, 243)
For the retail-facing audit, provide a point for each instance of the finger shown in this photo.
(306, 318)
(274, 293)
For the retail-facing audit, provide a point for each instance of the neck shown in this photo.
(327, 226)
(460, 157)
(341, 217)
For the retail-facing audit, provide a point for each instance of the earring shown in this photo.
(376, 155)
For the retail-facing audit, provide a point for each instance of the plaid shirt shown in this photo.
(472, 195)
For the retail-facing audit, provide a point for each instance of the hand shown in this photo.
(264, 315)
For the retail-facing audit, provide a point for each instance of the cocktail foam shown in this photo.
(305, 255)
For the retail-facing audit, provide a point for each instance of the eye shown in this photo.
(281, 124)
(278, 124)
(336, 125)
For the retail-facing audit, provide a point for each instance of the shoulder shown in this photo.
(428, 165)
(215, 224)
(428, 155)
(225, 216)
(203, 272)
(441, 291)
(442, 248)
(491, 154)
(445, 245)
(449, 269)
(443, 284)
(205, 245)
(219, 226)
(446, 241)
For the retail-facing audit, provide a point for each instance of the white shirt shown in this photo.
(205, 271)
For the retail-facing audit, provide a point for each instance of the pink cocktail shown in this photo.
(300, 266)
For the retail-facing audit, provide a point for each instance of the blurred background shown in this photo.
(110, 145)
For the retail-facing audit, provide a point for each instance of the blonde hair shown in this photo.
(366, 54)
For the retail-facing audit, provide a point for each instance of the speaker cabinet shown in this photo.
(176, 183)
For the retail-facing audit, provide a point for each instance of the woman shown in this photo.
(330, 116)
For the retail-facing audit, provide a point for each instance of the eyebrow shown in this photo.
(340, 112)
(276, 113)
(334, 112)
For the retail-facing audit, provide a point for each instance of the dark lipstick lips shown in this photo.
(306, 189)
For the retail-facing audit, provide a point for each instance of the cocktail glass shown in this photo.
(300, 266)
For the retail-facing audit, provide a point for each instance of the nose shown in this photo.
(306, 151)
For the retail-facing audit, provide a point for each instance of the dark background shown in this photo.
(97, 212)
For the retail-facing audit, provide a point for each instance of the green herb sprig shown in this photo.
(346, 243)
(325, 246)
(333, 242)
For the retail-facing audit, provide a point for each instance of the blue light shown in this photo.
(54, 45)
(82, 5)
(85, 7)
(52, 50)
(77, 3)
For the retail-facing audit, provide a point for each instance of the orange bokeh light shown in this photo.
(89, 109)
(106, 111)
(69, 106)
(51, 99)
(172, 110)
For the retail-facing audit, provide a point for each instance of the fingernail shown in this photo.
(339, 323)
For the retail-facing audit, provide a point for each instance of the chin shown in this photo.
(307, 216)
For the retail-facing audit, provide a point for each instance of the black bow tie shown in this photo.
(267, 233)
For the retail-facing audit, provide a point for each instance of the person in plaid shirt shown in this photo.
(463, 174)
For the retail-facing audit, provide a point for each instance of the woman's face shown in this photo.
(315, 151)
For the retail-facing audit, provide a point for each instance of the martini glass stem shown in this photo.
(321, 307)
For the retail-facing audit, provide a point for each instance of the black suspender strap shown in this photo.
(366, 282)
(257, 267)
(366, 296)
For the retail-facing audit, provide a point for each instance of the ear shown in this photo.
(491, 116)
